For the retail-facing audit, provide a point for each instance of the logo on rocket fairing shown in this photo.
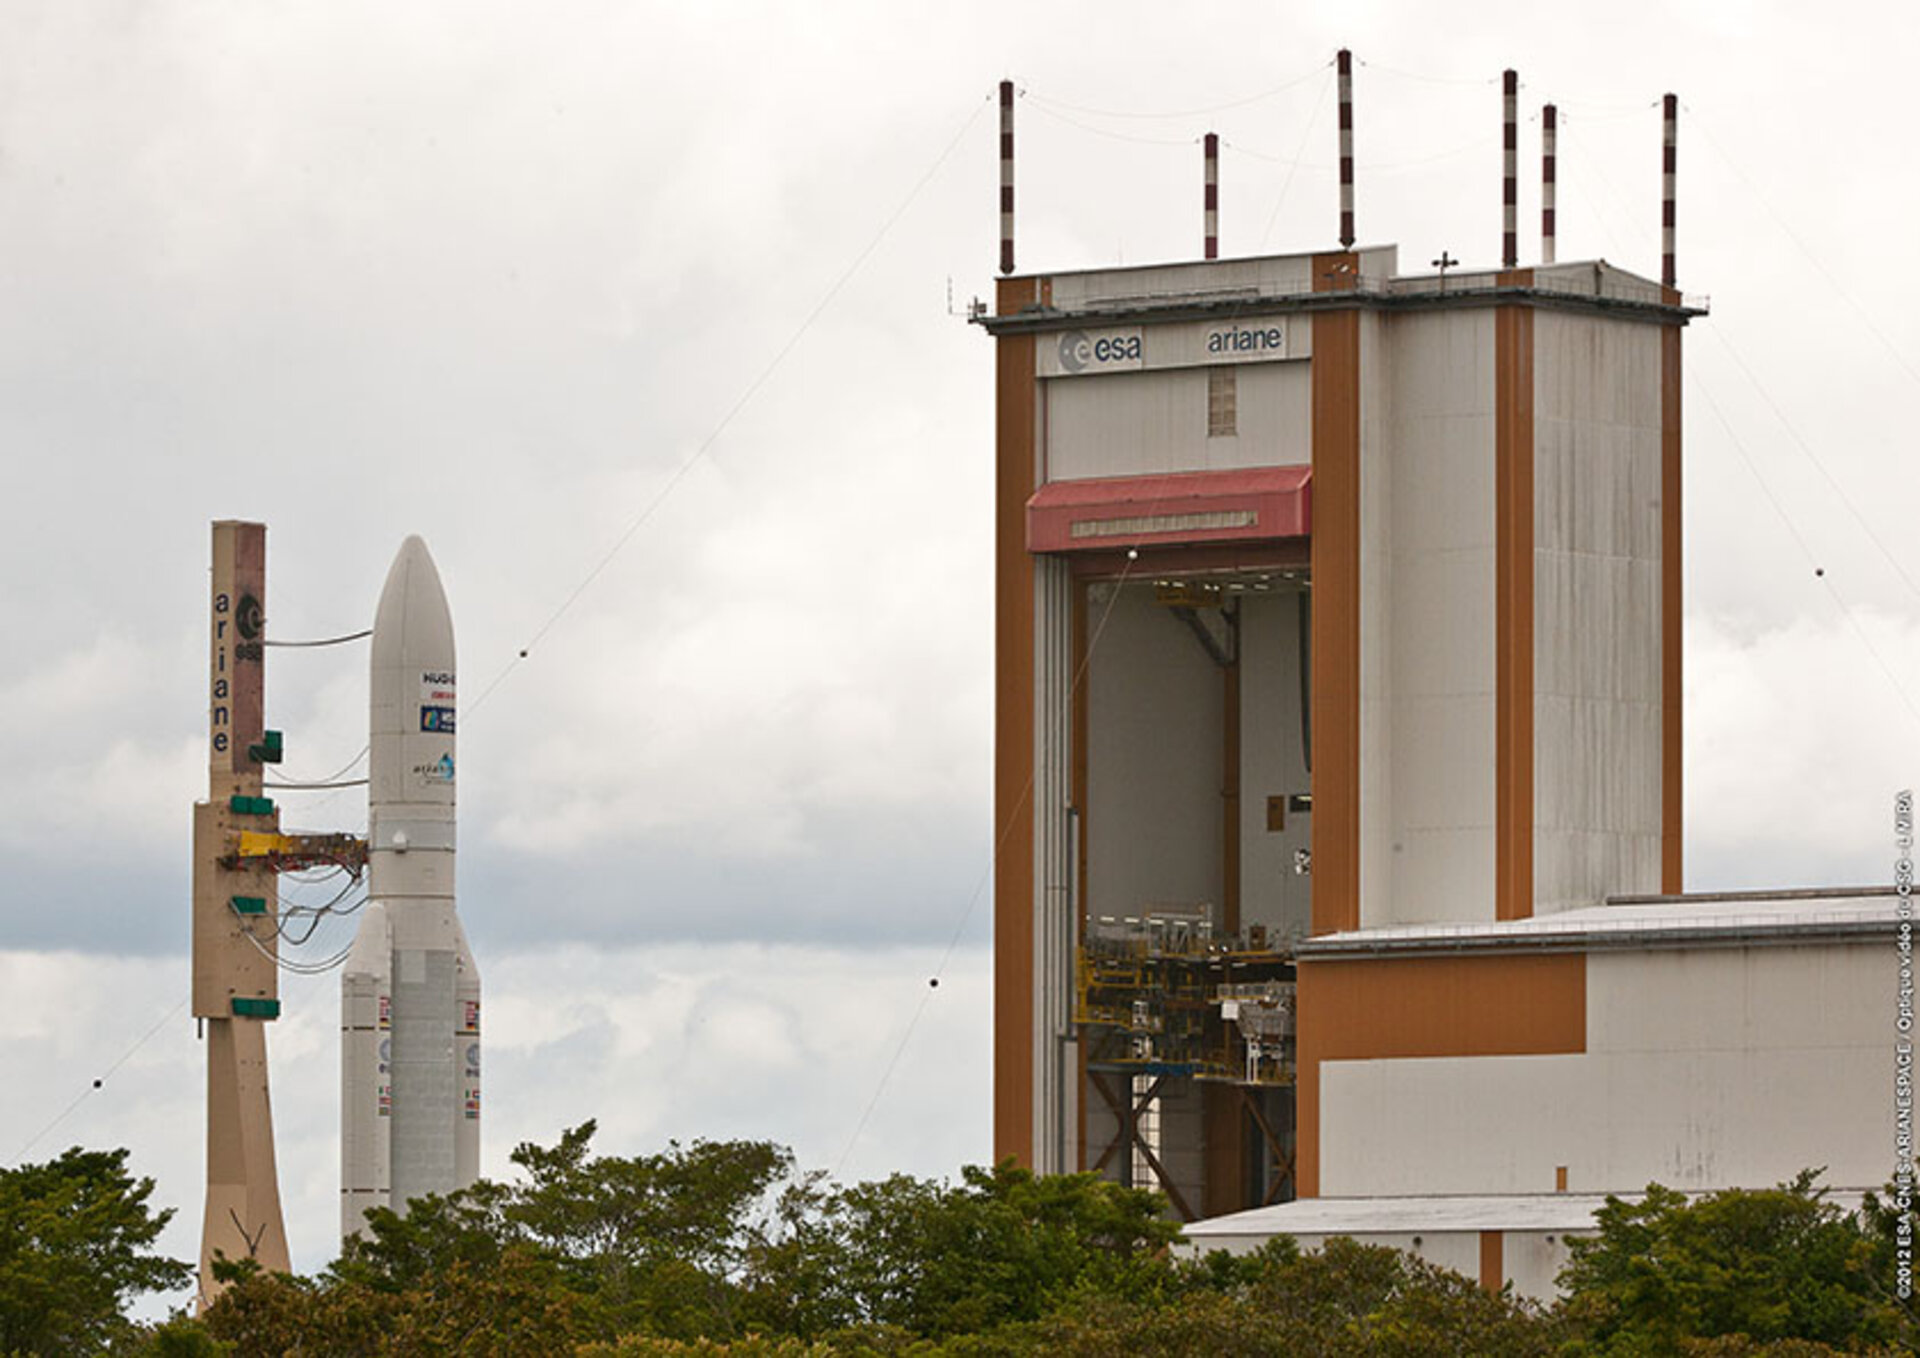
(439, 771)
(436, 702)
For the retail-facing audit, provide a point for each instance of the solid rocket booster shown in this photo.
(410, 993)
(366, 1095)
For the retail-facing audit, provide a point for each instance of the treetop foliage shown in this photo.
(725, 1248)
(1779, 1266)
(74, 1239)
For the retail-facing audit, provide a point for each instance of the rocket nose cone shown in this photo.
(413, 556)
(413, 614)
(372, 950)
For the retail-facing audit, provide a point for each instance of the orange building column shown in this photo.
(1513, 605)
(1334, 702)
(1013, 979)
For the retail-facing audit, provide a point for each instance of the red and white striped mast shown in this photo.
(1510, 238)
(1210, 195)
(1549, 134)
(1006, 176)
(1668, 157)
(1343, 63)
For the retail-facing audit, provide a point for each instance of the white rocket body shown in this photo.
(410, 993)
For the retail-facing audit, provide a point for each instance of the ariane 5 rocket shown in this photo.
(409, 994)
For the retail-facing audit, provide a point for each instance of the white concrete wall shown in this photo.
(1153, 757)
(1532, 1260)
(1427, 636)
(1056, 1071)
(1146, 423)
(1454, 1125)
(1705, 1068)
(1272, 763)
(1597, 609)
(1280, 274)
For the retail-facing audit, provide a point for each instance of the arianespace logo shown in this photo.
(439, 771)
(1080, 351)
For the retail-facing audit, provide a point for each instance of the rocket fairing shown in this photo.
(410, 992)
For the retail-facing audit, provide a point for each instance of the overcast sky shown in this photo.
(502, 275)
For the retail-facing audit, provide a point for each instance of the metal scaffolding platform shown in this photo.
(1159, 999)
(1158, 994)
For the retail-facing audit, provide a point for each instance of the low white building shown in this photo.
(1698, 1042)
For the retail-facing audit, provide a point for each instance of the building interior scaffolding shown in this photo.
(1158, 999)
(1184, 990)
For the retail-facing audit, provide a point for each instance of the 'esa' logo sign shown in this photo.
(1081, 352)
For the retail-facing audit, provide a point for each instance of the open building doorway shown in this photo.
(1196, 796)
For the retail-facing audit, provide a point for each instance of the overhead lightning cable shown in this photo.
(1819, 465)
(1427, 79)
(1328, 167)
(1792, 526)
(1108, 132)
(1806, 549)
(1293, 167)
(752, 389)
(973, 900)
(1812, 257)
(1807, 450)
(1174, 114)
(647, 512)
(99, 1081)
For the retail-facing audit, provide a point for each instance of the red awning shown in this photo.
(1245, 505)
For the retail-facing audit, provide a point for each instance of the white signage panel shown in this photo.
(1187, 344)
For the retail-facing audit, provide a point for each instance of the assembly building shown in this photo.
(1338, 761)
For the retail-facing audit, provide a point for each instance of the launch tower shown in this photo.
(236, 982)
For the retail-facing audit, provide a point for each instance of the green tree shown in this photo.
(1002, 1246)
(75, 1235)
(179, 1336)
(578, 1247)
(268, 1315)
(1768, 1265)
(754, 1346)
(398, 1252)
(1346, 1299)
(660, 1243)
(517, 1303)
(1881, 1219)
